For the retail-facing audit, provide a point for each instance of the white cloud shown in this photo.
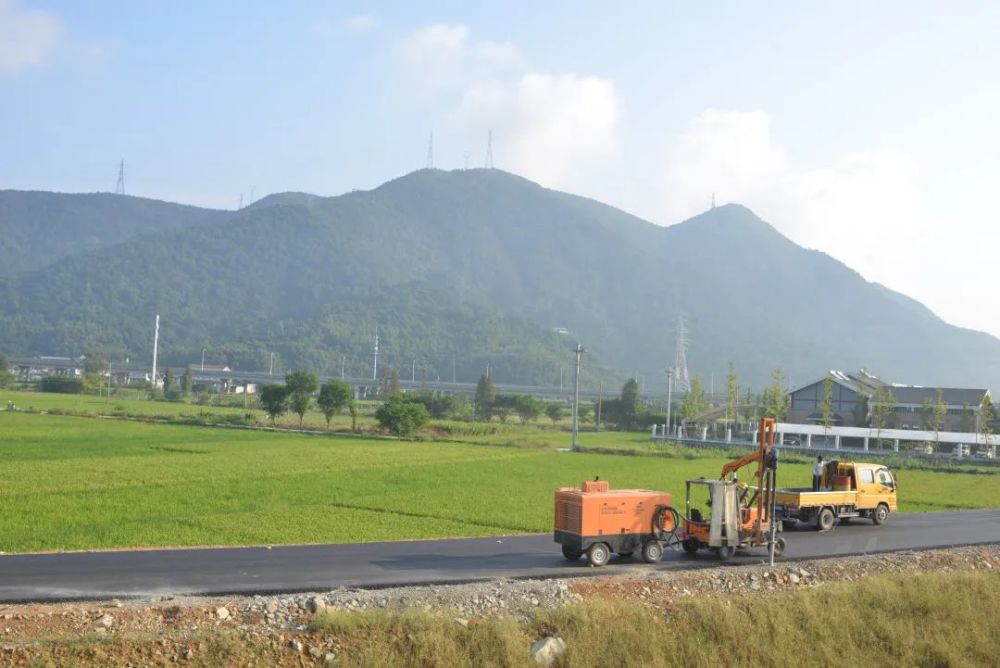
(727, 152)
(549, 128)
(360, 22)
(866, 208)
(441, 55)
(27, 36)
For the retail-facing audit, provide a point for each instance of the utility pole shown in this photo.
(452, 370)
(576, 400)
(203, 359)
(156, 345)
(670, 392)
(270, 369)
(413, 372)
(343, 359)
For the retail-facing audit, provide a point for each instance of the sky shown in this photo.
(869, 131)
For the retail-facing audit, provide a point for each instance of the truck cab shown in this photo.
(847, 490)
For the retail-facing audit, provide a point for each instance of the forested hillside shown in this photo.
(473, 267)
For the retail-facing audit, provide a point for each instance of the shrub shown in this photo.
(402, 417)
(61, 384)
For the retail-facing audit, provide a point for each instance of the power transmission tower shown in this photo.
(120, 185)
(375, 365)
(430, 152)
(466, 160)
(489, 150)
(681, 377)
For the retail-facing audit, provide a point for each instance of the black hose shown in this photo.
(668, 537)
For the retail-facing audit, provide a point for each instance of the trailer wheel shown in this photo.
(690, 545)
(598, 555)
(652, 551)
(825, 520)
(571, 553)
(881, 514)
(726, 552)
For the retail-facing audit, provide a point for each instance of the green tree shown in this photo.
(503, 406)
(883, 411)
(528, 408)
(968, 422)
(94, 362)
(274, 401)
(394, 385)
(732, 394)
(826, 404)
(352, 409)
(927, 415)
(186, 381)
(555, 410)
(860, 412)
(694, 402)
(301, 385)
(6, 377)
(940, 410)
(629, 406)
(774, 401)
(486, 396)
(333, 397)
(168, 379)
(401, 417)
(985, 419)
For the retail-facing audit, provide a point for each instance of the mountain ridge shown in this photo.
(498, 244)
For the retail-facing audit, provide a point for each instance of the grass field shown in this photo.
(78, 483)
(899, 620)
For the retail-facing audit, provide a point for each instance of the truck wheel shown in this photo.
(779, 547)
(598, 555)
(726, 552)
(881, 514)
(690, 545)
(571, 553)
(652, 551)
(825, 520)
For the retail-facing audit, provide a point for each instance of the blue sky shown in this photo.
(866, 130)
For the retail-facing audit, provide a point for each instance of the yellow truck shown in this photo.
(847, 490)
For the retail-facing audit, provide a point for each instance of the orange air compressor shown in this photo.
(595, 520)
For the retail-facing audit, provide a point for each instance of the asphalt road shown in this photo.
(257, 570)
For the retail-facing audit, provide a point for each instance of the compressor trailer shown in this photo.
(595, 520)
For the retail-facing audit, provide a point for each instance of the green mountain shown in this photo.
(473, 267)
(41, 228)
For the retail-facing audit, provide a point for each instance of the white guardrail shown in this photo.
(800, 437)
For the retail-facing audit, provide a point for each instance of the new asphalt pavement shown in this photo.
(286, 569)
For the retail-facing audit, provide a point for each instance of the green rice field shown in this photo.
(70, 483)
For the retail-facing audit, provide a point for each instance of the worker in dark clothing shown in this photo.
(817, 472)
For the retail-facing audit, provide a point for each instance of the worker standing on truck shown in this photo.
(817, 472)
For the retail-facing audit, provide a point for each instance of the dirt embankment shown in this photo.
(309, 629)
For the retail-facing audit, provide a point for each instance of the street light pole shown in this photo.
(576, 400)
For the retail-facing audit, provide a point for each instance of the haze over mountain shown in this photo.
(463, 267)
